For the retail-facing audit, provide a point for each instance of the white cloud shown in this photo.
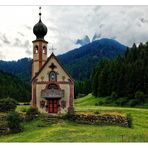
(66, 24)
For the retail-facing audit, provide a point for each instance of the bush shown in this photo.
(81, 95)
(96, 112)
(130, 96)
(31, 113)
(23, 110)
(14, 122)
(133, 102)
(101, 102)
(42, 123)
(26, 103)
(108, 100)
(71, 110)
(139, 95)
(3, 124)
(129, 120)
(114, 95)
(8, 104)
(121, 101)
(96, 104)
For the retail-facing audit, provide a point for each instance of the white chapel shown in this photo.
(52, 85)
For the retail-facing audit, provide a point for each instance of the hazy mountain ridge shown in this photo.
(81, 61)
(78, 62)
(20, 68)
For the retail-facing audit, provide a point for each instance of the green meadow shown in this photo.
(67, 131)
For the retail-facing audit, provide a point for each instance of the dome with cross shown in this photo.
(40, 30)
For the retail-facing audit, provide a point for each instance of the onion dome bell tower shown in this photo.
(40, 30)
(39, 46)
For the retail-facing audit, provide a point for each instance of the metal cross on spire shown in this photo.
(52, 49)
(40, 12)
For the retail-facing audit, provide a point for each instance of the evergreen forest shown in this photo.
(124, 76)
(13, 87)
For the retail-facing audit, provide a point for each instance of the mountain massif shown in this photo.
(20, 68)
(79, 62)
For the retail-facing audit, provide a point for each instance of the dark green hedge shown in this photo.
(7, 104)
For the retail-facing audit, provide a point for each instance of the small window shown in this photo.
(53, 76)
(44, 49)
(35, 49)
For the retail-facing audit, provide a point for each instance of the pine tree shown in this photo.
(124, 75)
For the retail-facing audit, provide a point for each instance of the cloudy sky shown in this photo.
(66, 24)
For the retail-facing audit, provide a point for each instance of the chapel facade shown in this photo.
(52, 85)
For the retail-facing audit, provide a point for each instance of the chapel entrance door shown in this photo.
(52, 106)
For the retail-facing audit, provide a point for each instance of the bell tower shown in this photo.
(39, 46)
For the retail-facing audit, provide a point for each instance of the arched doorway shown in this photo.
(53, 103)
(52, 93)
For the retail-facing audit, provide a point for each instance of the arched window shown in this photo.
(53, 86)
(44, 49)
(52, 76)
(35, 49)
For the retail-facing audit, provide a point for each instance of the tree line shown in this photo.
(124, 75)
(11, 86)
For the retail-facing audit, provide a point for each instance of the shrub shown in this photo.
(23, 110)
(81, 95)
(31, 113)
(96, 112)
(71, 110)
(139, 95)
(14, 122)
(129, 120)
(101, 102)
(7, 104)
(96, 104)
(130, 96)
(114, 95)
(133, 102)
(3, 124)
(26, 103)
(121, 101)
(42, 123)
(108, 100)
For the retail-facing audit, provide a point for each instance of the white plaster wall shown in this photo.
(66, 89)
(59, 70)
(44, 73)
(44, 56)
(35, 56)
(35, 67)
(39, 87)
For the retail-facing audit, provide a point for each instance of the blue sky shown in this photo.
(66, 24)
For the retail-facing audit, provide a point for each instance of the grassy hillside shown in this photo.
(66, 131)
(88, 100)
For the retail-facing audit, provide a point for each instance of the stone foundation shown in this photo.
(124, 121)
